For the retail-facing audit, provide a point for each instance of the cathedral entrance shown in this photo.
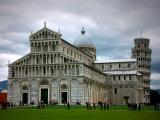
(126, 98)
(64, 97)
(44, 95)
(25, 98)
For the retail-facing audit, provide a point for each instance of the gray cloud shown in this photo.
(155, 84)
(156, 67)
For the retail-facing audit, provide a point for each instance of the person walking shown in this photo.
(38, 107)
(139, 107)
(155, 107)
(90, 106)
(68, 105)
(101, 105)
(107, 106)
(87, 104)
(94, 106)
(104, 106)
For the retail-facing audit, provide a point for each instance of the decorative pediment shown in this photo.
(45, 33)
(23, 60)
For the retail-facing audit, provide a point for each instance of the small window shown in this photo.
(119, 77)
(71, 53)
(119, 65)
(145, 45)
(113, 77)
(44, 70)
(26, 71)
(130, 77)
(102, 66)
(13, 73)
(65, 70)
(115, 91)
(129, 65)
(52, 70)
(110, 66)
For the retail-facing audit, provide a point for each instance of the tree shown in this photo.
(154, 97)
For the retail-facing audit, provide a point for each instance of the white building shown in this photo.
(57, 71)
(125, 84)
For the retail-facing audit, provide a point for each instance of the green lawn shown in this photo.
(76, 113)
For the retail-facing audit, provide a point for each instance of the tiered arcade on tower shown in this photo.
(142, 53)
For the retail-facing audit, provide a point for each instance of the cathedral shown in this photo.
(56, 71)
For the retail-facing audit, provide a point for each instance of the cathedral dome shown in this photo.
(83, 40)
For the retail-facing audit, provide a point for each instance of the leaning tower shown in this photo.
(142, 53)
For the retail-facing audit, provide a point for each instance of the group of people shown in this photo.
(103, 106)
(6, 105)
(40, 104)
(89, 106)
(134, 106)
(156, 107)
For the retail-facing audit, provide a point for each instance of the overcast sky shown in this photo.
(111, 24)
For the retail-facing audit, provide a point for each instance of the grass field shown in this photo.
(61, 113)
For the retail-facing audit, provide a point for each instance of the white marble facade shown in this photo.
(57, 71)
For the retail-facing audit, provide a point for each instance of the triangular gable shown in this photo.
(45, 33)
(21, 59)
